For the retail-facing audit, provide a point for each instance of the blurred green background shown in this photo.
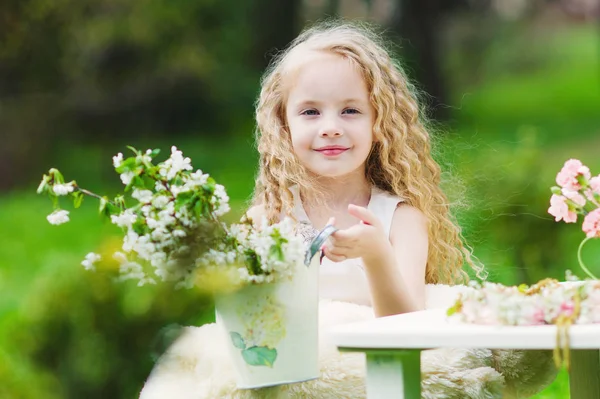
(514, 87)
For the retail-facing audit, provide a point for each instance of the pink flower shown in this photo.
(560, 210)
(595, 184)
(567, 308)
(591, 224)
(567, 177)
(538, 316)
(574, 196)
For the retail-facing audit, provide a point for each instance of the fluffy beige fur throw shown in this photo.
(196, 367)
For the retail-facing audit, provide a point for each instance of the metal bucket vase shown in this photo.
(272, 329)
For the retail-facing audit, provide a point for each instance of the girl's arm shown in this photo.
(395, 265)
(396, 272)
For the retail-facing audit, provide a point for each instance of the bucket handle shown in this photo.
(317, 242)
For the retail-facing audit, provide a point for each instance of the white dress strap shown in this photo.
(383, 205)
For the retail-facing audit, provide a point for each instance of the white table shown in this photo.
(393, 347)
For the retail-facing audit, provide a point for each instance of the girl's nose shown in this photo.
(330, 129)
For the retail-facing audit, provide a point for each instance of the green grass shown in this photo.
(559, 389)
(559, 96)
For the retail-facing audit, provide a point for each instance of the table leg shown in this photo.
(584, 375)
(394, 374)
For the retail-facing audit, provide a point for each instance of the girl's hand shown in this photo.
(364, 240)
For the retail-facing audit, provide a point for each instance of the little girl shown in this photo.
(342, 142)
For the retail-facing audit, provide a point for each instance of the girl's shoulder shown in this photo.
(407, 220)
(256, 213)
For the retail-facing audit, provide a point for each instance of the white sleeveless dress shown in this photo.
(196, 367)
(346, 281)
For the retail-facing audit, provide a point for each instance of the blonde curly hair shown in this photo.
(400, 162)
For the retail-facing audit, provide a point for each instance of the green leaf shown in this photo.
(182, 199)
(103, 203)
(522, 288)
(107, 208)
(57, 176)
(260, 356)
(277, 252)
(77, 198)
(148, 182)
(452, 310)
(155, 152)
(457, 307)
(43, 187)
(237, 340)
(119, 201)
(140, 227)
(209, 188)
(201, 208)
(126, 166)
(253, 262)
(137, 182)
(134, 150)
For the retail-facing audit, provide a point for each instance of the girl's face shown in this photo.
(329, 116)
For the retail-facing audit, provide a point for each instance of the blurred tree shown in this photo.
(275, 24)
(333, 7)
(418, 26)
(95, 71)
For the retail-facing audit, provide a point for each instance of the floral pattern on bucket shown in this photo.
(264, 328)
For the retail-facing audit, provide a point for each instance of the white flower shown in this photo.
(220, 197)
(166, 215)
(145, 158)
(90, 259)
(125, 219)
(146, 280)
(131, 270)
(179, 233)
(57, 217)
(198, 178)
(117, 160)
(120, 257)
(277, 246)
(127, 177)
(175, 164)
(160, 202)
(143, 196)
(153, 223)
(63, 189)
(159, 234)
(146, 209)
(175, 190)
(130, 240)
(159, 186)
(158, 258)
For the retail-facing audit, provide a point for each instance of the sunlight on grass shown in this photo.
(559, 389)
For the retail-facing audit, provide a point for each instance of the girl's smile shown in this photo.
(332, 150)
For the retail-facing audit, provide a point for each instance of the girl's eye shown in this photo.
(351, 111)
(310, 112)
